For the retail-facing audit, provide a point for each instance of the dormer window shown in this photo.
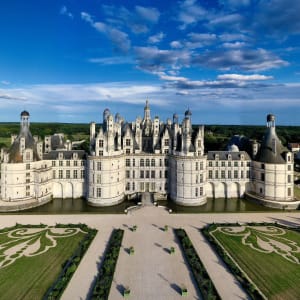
(60, 155)
(229, 157)
(75, 155)
(216, 156)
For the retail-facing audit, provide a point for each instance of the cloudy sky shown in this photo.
(229, 61)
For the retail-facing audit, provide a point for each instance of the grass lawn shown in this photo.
(275, 275)
(30, 277)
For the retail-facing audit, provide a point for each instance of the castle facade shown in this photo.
(167, 159)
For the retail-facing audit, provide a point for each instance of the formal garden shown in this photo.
(37, 261)
(265, 258)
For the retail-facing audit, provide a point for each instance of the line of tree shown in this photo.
(106, 272)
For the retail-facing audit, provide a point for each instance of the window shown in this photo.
(127, 142)
(68, 163)
(152, 162)
(248, 163)
(166, 174)
(166, 142)
(127, 186)
(53, 174)
(127, 162)
(210, 163)
(75, 174)
(127, 174)
(98, 180)
(289, 178)
(133, 162)
(82, 174)
(242, 164)
(160, 162)
(235, 174)
(141, 174)
(289, 192)
(152, 174)
(289, 167)
(166, 151)
(53, 163)
(210, 174)
(196, 192)
(133, 174)
(216, 174)
(98, 192)
(236, 163)
(201, 165)
(262, 166)
(147, 162)
(152, 186)
(201, 178)
(242, 174)
(133, 186)
(75, 163)
(60, 163)
(101, 143)
(166, 162)
(99, 166)
(100, 153)
(82, 163)
(147, 174)
(141, 186)
(127, 151)
(248, 174)
(197, 165)
(229, 164)
(229, 174)
(216, 163)
(160, 174)
(262, 176)
(142, 163)
(27, 166)
(223, 174)
(201, 191)
(60, 174)
(223, 164)
(28, 180)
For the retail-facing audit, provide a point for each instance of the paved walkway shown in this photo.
(144, 218)
(152, 272)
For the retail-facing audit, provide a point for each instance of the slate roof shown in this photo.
(223, 155)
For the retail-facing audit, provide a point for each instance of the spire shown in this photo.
(24, 120)
(147, 116)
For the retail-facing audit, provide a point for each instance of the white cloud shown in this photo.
(5, 82)
(157, 38)
(176, 44)
(149, 14)
(64, 11)
(254, 77)
(118, 38)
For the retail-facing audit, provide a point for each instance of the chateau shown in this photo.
(147, 155)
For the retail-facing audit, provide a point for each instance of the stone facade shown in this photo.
(147, 155)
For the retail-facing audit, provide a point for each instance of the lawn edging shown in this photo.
(202, 278)
(106, 272)
(70, 265)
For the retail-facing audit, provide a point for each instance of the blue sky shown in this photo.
(229, 61)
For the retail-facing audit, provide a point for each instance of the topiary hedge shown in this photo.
(106, 272)
(201, 276)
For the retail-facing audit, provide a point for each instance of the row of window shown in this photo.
(67, 174)
(147, 174)
(145, 162)
(67, 163)
(222, 175)
(224, 163)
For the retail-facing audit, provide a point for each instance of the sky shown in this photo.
(228, 61)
